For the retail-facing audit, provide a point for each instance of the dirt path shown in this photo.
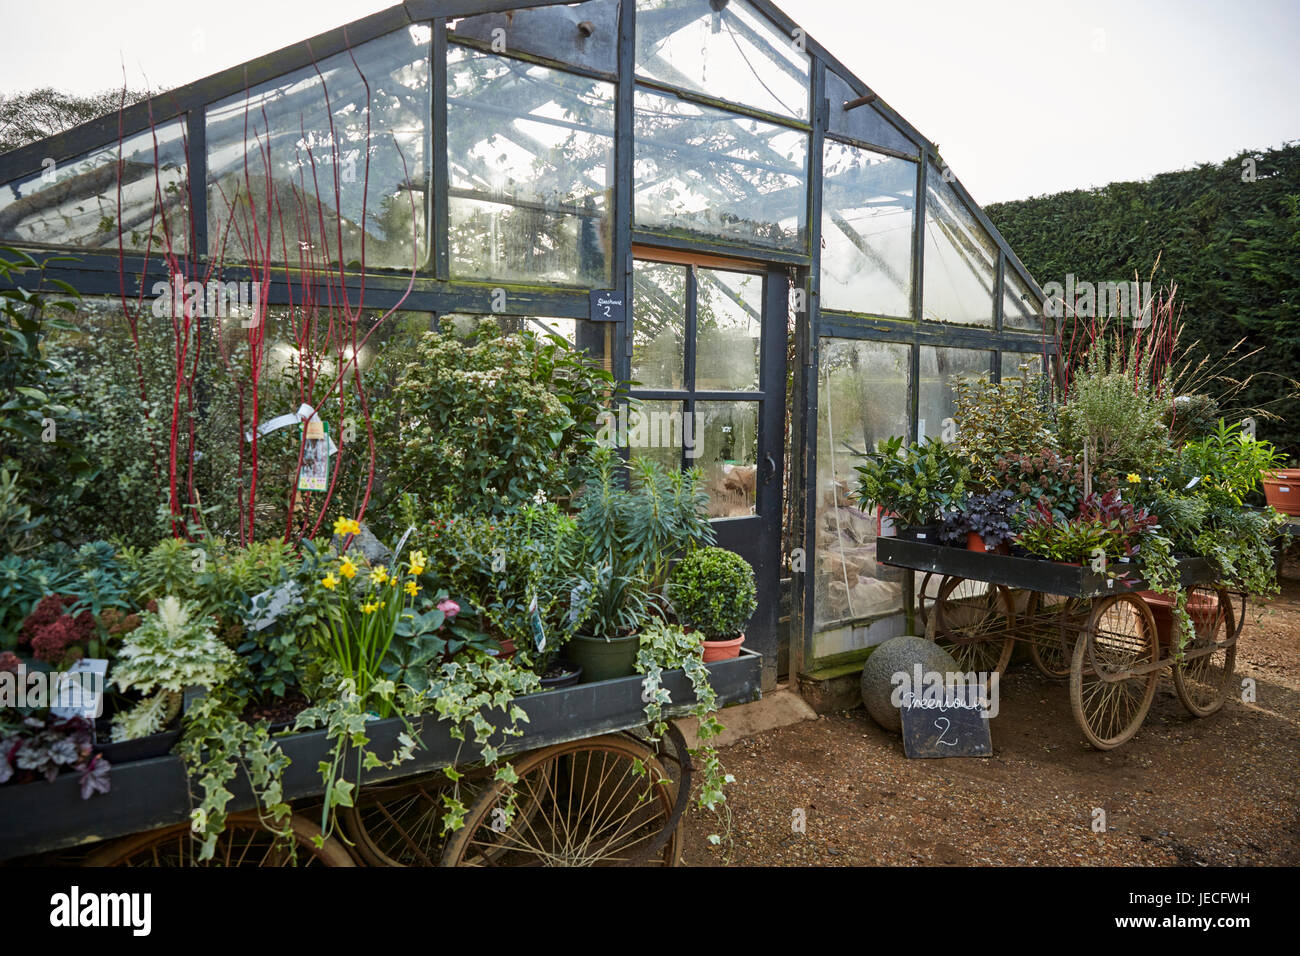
(1222, 790)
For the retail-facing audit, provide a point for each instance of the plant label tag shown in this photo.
(397, 551)
(539, 633)
(315, 472)
(80, 690)
(1192, 484)
(920, 536)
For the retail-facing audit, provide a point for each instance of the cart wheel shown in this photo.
(592, 808)
(1120, 635)
(931, 584)
(245, 842)
(400, 824)
(974, 621)
(1053, 624)
(1202, 682)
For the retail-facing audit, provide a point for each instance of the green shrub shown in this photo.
(1000, 419)
(1112, 409)
(173, 648)
(915, 482)
(712, 589)
(496, 422)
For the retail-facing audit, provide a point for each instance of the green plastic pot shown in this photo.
(602, 659)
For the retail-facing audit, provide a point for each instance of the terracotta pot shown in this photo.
(1202, 608)
(507, 649)
(1162, 609)
(722, 650)
(975, 542)
(1282, 490)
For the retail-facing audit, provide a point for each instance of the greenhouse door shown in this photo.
(708, 355)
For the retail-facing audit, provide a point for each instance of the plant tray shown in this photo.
(39, 817)
(1031, 574)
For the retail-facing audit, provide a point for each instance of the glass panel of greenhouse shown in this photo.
(960, 259)
(361, 164)
(76, 203)
(867, 217)
(530, 152)
(725, 51)
(712, 174)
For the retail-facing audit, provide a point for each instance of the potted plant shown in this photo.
(984, 522)
(173, 649)
(916, 482)
(628, 535)
(712, 591)
(1282, 489)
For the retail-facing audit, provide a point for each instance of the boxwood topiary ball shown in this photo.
(712, 590)
(898, 654)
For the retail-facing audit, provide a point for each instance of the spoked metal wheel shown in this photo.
(400, 824)
(1053, 623)
(974, 621)
(926, 593)
(603, 801)
(1114, 670)
(1204, 676)
(245, 842)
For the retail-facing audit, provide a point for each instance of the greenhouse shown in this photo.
(694, 192)
(502, 367)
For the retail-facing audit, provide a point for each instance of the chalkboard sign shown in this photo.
(945, 729)
(607, 305)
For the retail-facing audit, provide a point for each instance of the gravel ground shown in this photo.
(1217, 791)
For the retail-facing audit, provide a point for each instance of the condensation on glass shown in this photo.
(941, 368)
(531, 156)
(1011, 363)
(656, 430)
(729, 326)
(864, 122)
(659, 325)
(361, 164)
(707, 173)
(868, 207)
(862, 397)
(1020, 307)
(581, 34)
(960, 259)
(727, 456)
(75, 203)
(724, 50)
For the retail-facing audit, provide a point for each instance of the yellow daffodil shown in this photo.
(1133, 479)
(379, 575)
(412, 588)
(344, 525)
(417, 563)
(347, 568)
(329, 581)
(370, 607)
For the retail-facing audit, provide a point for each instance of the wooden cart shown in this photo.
(1088, 628)
(592, 789)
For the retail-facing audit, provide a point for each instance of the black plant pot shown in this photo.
(921, 532)
(572, 674)
(142, 748)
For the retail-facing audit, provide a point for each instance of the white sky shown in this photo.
(1024, 97)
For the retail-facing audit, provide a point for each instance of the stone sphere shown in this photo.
(895, 655)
